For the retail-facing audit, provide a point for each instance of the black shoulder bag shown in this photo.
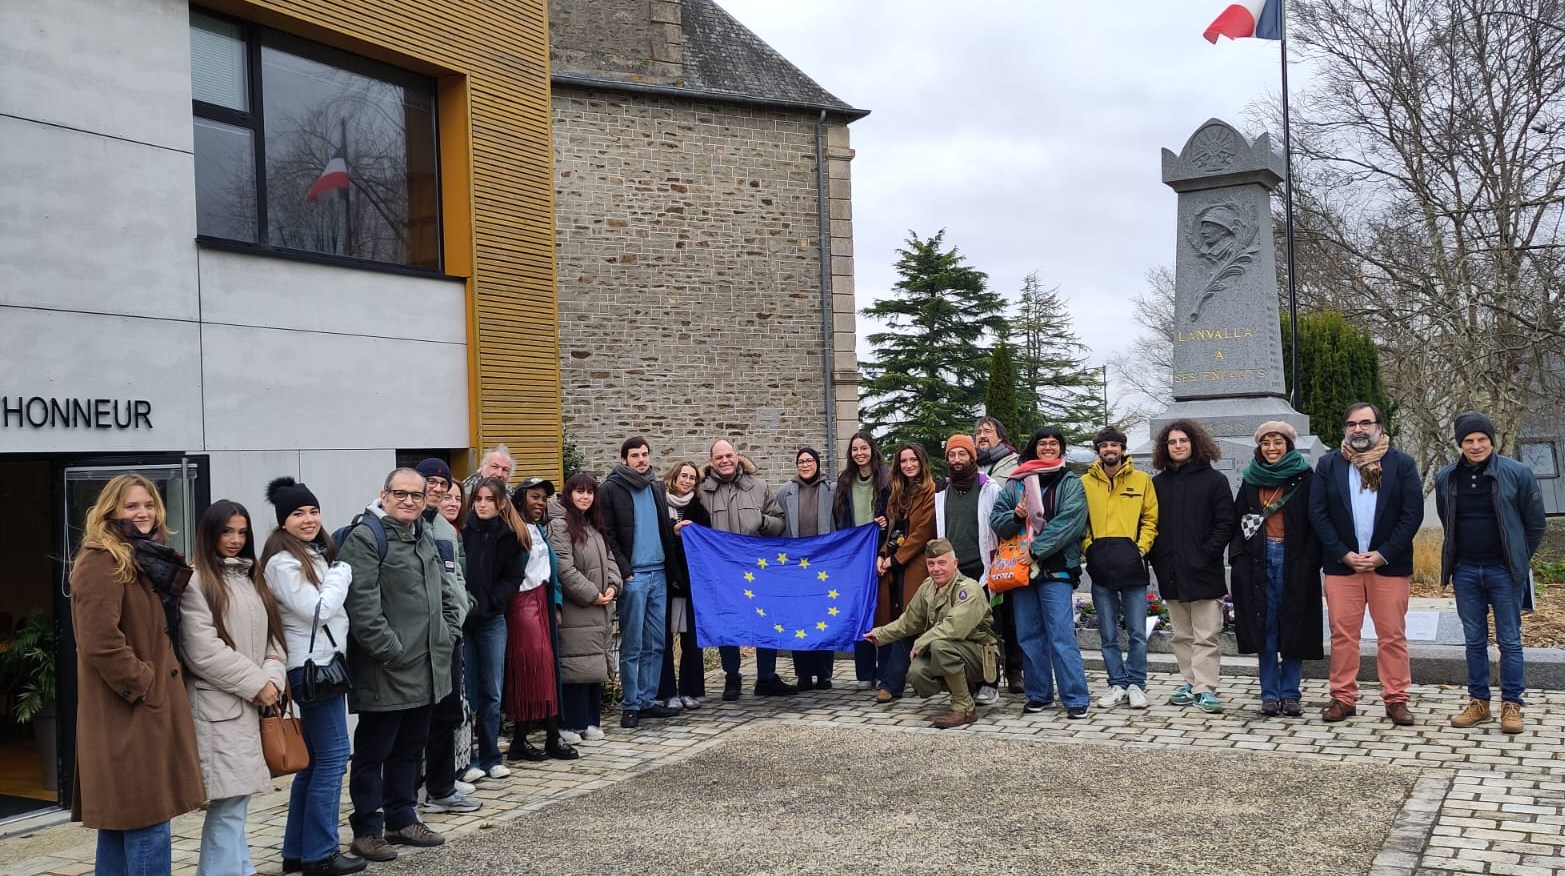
(323, 682)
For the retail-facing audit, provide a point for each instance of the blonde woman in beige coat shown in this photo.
(590, 581)
(232, 641)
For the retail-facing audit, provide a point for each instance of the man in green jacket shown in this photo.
(954, 645)
(404, 616)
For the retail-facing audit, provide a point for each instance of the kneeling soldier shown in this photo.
(953, 635)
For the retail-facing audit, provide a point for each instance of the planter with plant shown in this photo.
(28, 663)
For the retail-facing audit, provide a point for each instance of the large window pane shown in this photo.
(225, 181)
(217, 62)
(350, 155)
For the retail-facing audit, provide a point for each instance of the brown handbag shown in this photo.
(282, 739)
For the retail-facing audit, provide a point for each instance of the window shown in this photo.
(1539, 456)
(300, 147)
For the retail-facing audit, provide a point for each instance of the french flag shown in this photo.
(333, 179)
(1261, 19)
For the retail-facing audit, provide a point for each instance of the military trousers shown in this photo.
(951, 665)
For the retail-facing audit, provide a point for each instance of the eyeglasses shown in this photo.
(404, 495)
(437, 483)
(1360, 424)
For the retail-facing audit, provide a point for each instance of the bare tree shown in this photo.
(1430, 196)
(1147, 369)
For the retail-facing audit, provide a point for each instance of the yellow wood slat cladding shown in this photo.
(491, 62)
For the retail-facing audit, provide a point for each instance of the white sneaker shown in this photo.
(986, 696)
(499, 771)
(674, 703)
(1114, 697)
(1138, 697)
(593, 733)
(464, 788)
(471, 775)
(569, 737)
(690, 703)
(865, 685)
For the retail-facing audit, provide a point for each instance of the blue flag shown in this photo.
(803, 594)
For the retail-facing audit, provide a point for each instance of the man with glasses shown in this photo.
(1366, 506)
(404, 616)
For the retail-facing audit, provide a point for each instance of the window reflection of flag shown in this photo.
(334, 178)
(802, 594)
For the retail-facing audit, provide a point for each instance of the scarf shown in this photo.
(678, 504)
(165, 568)
(964, 480)
(629, 476)
(1264, 474)
(1048, 472)
(993, 455)
(1368, 462)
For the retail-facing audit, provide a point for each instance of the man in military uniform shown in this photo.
(953, 635)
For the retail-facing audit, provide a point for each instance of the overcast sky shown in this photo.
(1030, 131)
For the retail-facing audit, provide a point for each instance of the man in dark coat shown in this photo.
(1366, 504)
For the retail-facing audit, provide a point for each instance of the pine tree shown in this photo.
(1055, 384)
(1338, 365)
(927, 373)
(1000, 397)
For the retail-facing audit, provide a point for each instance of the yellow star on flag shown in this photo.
(782, 558)
(749, 594)
(821, 576)
(798, 634)
(749, 576)
(804, 562)
(761, 612)
(777, 627)
(761, 562)
(833, 611)
(820, 625)
(831, 594)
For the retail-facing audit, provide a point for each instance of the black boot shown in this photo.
(556, 747)
(336, 865)
(521, 749)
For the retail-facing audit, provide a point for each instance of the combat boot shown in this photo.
(1477, 712)
(954, 718)
(1510, 717)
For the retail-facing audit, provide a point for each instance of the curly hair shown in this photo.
(1202, 447)
(905, 490)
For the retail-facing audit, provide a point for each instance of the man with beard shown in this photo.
(640, 536)
(996, 459)
(962, 517)
(1121, 527)
(1366, 506)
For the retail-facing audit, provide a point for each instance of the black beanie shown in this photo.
(435, 468)
(288, 495)
(1470, 422)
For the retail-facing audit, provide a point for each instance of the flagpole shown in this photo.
(347, 205)
(1287, 194)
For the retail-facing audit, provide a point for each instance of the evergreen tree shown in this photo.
(1000, 398)
(1055, 384)
(927, 372)
(1338, 365)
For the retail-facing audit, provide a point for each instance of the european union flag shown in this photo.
(803, 594)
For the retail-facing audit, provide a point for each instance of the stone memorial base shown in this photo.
(1233, 421)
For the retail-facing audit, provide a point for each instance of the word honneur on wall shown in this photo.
(40, 412)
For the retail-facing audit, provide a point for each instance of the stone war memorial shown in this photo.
(1228, 368)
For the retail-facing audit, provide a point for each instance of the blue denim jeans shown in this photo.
(311, 830)
(1130, 668)
(1046, 631)
(1479, 589)
(483, 652)
(765, 662)
(1279, 675)
(643, 624)
(145, 851)
(892, 662)
(224, 849)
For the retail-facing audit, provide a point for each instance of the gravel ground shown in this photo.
(794, 799)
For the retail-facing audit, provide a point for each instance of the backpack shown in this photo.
(375, 527)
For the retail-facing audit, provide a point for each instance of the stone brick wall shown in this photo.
(689, 272)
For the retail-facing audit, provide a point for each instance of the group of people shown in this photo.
(445, 604)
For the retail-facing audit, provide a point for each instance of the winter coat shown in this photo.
(842, 501)
(587, 571)
(223, 680)
(908, 566)
(1518, 505)
(1195, 524)
(616, 499)
(137, 764)
(695, 512)
(403, 615)
(988, 493)
(1121, 525)
(744, 505)
(1300, 619)
(297, 600)
(1399, 511)
(1058, 545)
(496, 567)
(453, 556)
(788, 499)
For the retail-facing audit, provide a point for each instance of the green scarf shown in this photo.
(1276, 474)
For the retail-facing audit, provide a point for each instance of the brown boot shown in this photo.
(954, 718)
(1477, 712)
(1013, 682)
(1337, 711)
(1399, 714)
(1510, 717)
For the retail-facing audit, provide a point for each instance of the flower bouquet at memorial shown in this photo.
(1156, 607)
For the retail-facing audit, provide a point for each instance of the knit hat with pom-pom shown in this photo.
(288, 495)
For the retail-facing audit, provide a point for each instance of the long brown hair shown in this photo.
(504, 510)
(576, 520)
(209, 569)
(281, 541)
(903, 490)
(101, 529)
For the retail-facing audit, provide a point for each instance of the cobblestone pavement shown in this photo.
(1484, 803)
